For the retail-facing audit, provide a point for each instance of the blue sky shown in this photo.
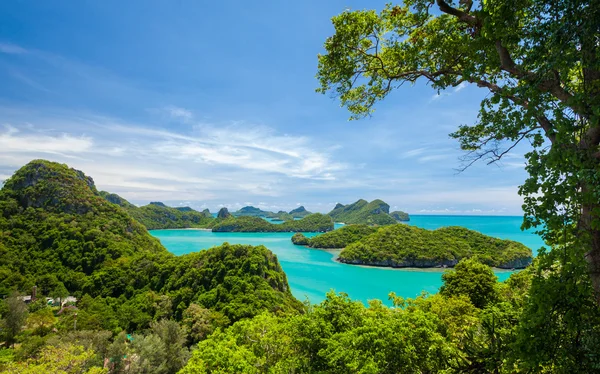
(213, 104)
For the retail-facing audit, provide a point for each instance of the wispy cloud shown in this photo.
(460, 87)
(11, 49)
(179, 113)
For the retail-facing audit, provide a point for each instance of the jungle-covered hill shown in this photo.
(57, 230)
(312, 223)
(408, 246)
(157, 215)
(374, 213)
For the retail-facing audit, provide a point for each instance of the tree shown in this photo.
(540, 62)
(59, 292)
(67, 359)
(14, 319)
(472, 279)
(199, 322)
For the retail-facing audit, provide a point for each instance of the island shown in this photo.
(402, 245)
(339, 238)
(251, 211)
(374, 213)
(157, 215)
(315, 222)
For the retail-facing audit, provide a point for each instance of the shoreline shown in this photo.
(185, 228)
(428, 269)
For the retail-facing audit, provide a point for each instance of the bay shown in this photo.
(312, 273)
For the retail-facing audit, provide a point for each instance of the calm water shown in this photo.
(311, 273)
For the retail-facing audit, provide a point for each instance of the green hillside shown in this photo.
(157, 215)
(56, 230)
(339, 238)
(312, 223)
(371, 213)
(408, 246)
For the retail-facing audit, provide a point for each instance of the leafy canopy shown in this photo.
(540, 63)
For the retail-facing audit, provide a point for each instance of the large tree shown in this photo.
(540, 62)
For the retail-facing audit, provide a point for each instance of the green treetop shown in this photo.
(540, 63)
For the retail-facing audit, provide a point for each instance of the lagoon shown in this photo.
(312, 273)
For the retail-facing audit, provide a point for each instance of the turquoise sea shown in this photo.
(311, 273)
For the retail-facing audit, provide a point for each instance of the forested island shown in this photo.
(402, 246)
(157, 215)
(374, 213)
(315, 222)
(251, 211)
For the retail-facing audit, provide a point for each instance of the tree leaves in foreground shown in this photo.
(539, 62)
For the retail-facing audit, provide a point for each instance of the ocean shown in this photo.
(312, 273)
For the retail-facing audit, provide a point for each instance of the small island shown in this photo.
(401, 246)
(312, 223)
(374, 213)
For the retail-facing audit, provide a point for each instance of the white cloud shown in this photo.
(144, 163)
(11, 141)
(11, 49)
(180, 113)
(460, 87)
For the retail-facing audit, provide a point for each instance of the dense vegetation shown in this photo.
(371, 213)
(399, 215)
(299, 212)
(339, 238)
(234, 302)
(408, 246)
(157, 215)
(58, 233)
(312, 223)
(472, 326)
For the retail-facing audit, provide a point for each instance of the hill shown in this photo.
(339, 238)
(187, 209)
(400, 216)
(57, 230)
(157, 215)
(312, 223)
(251, 211)
(371, 213)
(408, 246)
(299, 212)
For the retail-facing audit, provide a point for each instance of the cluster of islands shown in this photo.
(371, 235)
(61, 238)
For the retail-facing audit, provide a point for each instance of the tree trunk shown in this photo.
(592, 256)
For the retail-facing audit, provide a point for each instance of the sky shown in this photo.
(212, 104)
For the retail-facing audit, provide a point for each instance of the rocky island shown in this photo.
(157, 215)
(374, 213)
(401, 246)
(312, 223)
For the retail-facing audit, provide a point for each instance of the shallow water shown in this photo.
(312, 273)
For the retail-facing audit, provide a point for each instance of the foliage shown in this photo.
(399, 215)
(157, 215)
(339, 238)
(371, 213)
(539, 61)
(312, 223)
(162, 351)
(408, 246)
(472, 279)
(60, 360)
(299, 212)
(14, 317)
(300, 239)
(427, 334)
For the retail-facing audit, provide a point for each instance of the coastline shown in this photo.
(185, 228)
(428, 269)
